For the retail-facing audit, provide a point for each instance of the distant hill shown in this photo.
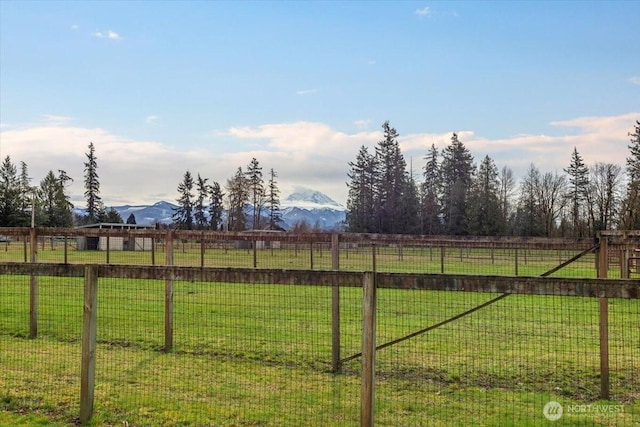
(310, 206)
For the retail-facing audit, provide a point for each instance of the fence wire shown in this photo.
(261, 354)
(501, 365)
(41, 374)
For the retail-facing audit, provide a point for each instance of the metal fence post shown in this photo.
(168, 295)
(335, 305)
(367, 393)
(603, 267)
(89, 317)
(33, 286)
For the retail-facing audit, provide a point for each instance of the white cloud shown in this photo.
(74, 27)
(54, 119)
(308, 154)
(108, 34)
(635, 80)
(307, 91)
(362, 124)
(425, 11)
(151, 119)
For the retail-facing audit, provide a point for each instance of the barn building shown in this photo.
(115, 243)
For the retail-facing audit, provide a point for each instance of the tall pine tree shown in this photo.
(95, 208)
(362, 196)
(457, 171)
(483, 208)
(256, 192)
(183, 214)
(273, 202)
(392, 179)
(630, 211)
(577, 193)
(199, 209)
(216, 206)
(430, 194)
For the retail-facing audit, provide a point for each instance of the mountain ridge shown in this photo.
(303, 205)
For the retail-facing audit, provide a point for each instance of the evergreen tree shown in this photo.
(361, 200)
(483, 209)
(56, 207)
(27, 192)
(273, 202)
(577, 193)
(131, 219)
(238, 192)
(630, 210)
(457, 170)
(111, 216)
(183, 214)
(216, 207)
(95, 208)
(408, 220)
(391, 182)
(256, 192)
(201, 222)
(12, 212)
(430, 194)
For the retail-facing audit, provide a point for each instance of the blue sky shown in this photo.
(165, 87)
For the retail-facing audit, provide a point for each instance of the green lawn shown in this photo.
(260, 355)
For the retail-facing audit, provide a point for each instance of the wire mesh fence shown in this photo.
(503, 364)
(255, 351)
(316, 251)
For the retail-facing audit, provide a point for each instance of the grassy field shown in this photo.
(260, 355)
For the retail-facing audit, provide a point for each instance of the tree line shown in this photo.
(456, 196)
(453, 196)
(250, 202)
(48, 204)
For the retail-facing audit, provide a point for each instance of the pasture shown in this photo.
(260, 354)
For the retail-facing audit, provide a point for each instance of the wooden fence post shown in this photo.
(367, 393)
(335, 306)
(516, 261)
(33, 286)
(202, 249)
(311, 255)
(108, 249)
(442, 249)
(603, 267)
(89, 318)
(168, 295)
(624, 263)
(254, 243)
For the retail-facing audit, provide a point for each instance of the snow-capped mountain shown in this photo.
(304, 205)
(313, 208)
(304, 197)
